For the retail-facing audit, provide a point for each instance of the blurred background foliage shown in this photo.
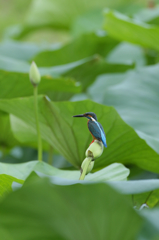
(58, 33)
(58, 21)
(99, 56)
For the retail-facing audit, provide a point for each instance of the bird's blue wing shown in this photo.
(97, 131)
(94, 129)
(103, 135)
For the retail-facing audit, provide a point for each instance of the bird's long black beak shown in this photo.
(80, 115)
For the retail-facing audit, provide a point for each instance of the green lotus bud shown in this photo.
(90, 166)
(95, 149)
(34, 74)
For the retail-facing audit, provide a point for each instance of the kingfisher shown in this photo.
(94, 127)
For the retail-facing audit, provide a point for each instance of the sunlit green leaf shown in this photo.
(123, 28)
(84, 71)
(18, 84)
(71, 137)
(6, 183)
(7, 139)
(82, 47)
(88, 72)
(113, 172)
(25, 134)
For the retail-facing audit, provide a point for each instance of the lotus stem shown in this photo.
(84, 170)
(37, 123)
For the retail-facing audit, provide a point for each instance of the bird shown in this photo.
(94, 127)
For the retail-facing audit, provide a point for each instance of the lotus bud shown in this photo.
(34, 74)
(95, 149)
(90, 167)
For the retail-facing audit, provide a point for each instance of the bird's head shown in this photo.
(89, 115)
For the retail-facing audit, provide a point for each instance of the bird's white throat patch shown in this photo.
(93, 119)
